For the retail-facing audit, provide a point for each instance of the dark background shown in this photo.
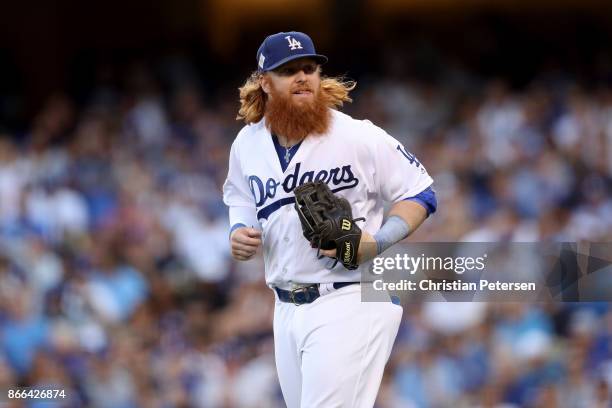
(46, 47)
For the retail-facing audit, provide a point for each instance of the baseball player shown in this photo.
(330, 348)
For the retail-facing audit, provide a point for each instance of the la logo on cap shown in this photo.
(293, 43)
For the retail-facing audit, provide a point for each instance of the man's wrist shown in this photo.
(393, 230)
(235, 227)
(367, 247)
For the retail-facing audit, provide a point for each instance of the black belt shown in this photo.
(305, 294)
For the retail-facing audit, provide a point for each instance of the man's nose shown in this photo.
(300, 76)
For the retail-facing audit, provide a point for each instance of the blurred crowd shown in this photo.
(116, 281)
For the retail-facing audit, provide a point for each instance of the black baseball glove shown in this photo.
(327, 222)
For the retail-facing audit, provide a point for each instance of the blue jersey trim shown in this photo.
(235, 227)
(427, 198)
(281, 151)
(270, 208)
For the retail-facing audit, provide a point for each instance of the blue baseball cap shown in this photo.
(280, 48)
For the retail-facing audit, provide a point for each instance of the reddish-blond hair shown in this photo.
(335, 91)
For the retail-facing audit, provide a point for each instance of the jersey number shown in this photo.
(411, 157)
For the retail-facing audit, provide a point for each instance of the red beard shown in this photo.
(295, 121)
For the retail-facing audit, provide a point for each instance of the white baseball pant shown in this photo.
(332, 352)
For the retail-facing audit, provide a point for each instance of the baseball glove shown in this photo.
(327, 222)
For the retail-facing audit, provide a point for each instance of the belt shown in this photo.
(305, 294)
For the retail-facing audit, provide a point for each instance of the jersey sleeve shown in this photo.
(426, 198)
(399, 174)
(236, 193)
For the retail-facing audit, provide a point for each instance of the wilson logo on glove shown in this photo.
(348, 253)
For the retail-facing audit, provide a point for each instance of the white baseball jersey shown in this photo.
(358, 160)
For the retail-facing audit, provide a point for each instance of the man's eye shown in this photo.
(309, 69)
(290, 71)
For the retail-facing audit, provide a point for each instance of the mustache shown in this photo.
(302, 88)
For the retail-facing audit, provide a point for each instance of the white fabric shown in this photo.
(332, 352)
(243, 215)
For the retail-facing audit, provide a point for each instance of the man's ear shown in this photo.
(264, 81)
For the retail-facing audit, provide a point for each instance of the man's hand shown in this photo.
(245, 242)
(366, 251)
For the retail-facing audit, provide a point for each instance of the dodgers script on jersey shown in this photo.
(358, 160)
